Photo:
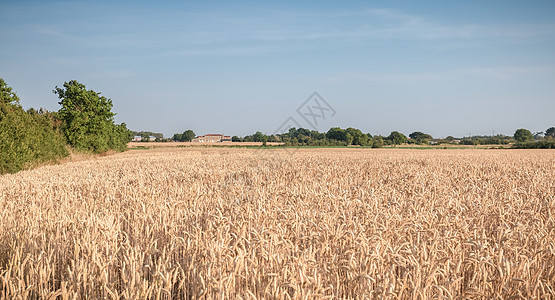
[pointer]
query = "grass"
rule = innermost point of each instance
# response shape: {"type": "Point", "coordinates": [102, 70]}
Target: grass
{"type": "Point", "coordinates": [232, 223]}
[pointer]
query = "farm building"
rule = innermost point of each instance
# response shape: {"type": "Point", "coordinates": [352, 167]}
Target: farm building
{"type": "Point", "coordinates": [211, 138]}
{"type": "Point", "coordinates": [139, 138]}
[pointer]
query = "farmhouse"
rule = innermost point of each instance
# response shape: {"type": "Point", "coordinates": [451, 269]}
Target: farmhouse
{"type": "Point", "coordinates": [139, 138]}
{"type": "Point", "coordinates": [211, 138]}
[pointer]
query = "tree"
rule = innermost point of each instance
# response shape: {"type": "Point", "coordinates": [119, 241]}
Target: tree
{"type": "Point", "coordinates": [236, 139]}
{"type": "Point", "coordinates": [88, 120]}
{"type": "Point", "coordinates": [248, 138]}
{"type": "Point", "coordinates": [397, 138]}
{"type": "Point", "coordinates": [303, 131]}
{"type": "Point", "coordinates": [120, 136]}
{"type": "Point", "coordinates": [523, 135]}
{"type": "Point", "coordinates": [377, 141]}
{"type": "Point", "coordinates": [259, 137]}
{"type": "Point", "coordinates": [274, 138]}
{"type": "Point", "coordinates": [292, 133]}
{"type": "Point", "coordinates": [550, 132]}
{"type": "Point", "coordinates": [336, 133]}
{"type": "Point", "coordinates": [188, 135]}
{"type": "Point", "coordinates": [420, 137]}
{"type": "Point", "coordinates": [7, 95]}
{"type": "Point", "coordinates": [540, 135]}
{"type": "Point", "coordinates": [359, 138]}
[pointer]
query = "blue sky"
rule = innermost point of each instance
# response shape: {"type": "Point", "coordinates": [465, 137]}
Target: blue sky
{"type": "Point", "coordinates": [235, 67]}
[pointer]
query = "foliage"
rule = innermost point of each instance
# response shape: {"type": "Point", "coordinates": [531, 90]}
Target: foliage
{"type": "Point", "coordinates": [397, 138]}
{"type": "Point", "coordinates": [88, 120]}
{"type": "Point", "coordinates": [358, 138]}
{"type": "Point", "coordinates": [119, 137]}
{"type": "Point", "coordinates": [186, 136]}
{"type": "Point", "coordinates": [487, 140]}
{"type": "Point", "coordinates": [260, 137]}
{"type": "Point", "coordinates": [147, 134]}
{"type": "Point", "coordinates": [338, 134]}
{"type": "Point", "coordinates": [26, 138]}
{"type": "Point", "coordinates": [377, 142]}
{"type": "Point", "coordinates": [304, 137]}
{"type": "Point", "coordinates": [550, 132]}
{"type": "Point", "coordinates": [542, 144]}
{"type": "Point", "coordinates": [469, 141]}
{"type": "Point", "coordinates": [7, 95]}
{"type": "Point", "coordinates": [523, 135]}
{"type": "Point", "coordinates": [420, 137]}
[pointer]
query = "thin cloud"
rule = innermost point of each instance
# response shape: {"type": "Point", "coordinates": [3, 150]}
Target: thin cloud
{"type": "Point", "coordinates": [505, 72]}
{"type": "Point", "coordinates": [355, 27]}
{"type": "Point", "coordinates": [498, 73]}
{"type": "Point", "coordinates": [268, 31]}
{"type": "Point", "coordinates": [115, 74]}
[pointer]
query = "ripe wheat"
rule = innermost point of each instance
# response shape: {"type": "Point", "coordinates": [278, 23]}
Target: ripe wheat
{"type": "Point", "coordinates": [321, 223]}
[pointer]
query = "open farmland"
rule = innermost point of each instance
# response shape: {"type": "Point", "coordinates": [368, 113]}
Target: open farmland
{"type": "Point", "coordinates": [240, 223]}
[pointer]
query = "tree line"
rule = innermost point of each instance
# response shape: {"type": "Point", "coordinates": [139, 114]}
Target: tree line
{"type": "Point", "coordinates": [85, 122]}
{"type": "Point", "coordinates": [336, 136]}
{"type": "Point", "coordinates": [540, 140]}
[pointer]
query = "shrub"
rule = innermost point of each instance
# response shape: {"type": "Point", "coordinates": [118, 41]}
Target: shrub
{"type": "Point", "coordinates": [27, 138]}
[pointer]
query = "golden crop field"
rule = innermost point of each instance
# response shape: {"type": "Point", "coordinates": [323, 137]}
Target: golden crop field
{"type": "Point", "coordinates": [188, 223]}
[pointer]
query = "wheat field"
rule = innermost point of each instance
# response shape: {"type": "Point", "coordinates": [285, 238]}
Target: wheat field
{"type": "Point", "coordinates": [224, 223]}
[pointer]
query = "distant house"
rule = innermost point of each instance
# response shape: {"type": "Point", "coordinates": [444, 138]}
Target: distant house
{"type": "Point", "coordinates": [211, 138]}
{"type": "Point", "coordinates": [139, 138]}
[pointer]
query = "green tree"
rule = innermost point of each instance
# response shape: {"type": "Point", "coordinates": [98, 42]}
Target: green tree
{"type": "Point", "coordinates": [236, 139]}
{"type": "Point", "coordinates": [397, 138]}
{"type": "Point", "coordinates": [177, 137]}
{"type": "Point", "coordinates": [336, 133]}
{"type": "Point", "coordinates": [420, 137]}
{"type": "Point", "coordinates": [259, 137]}
{"type": "Point", "coordinates": [87, 119]}
{"type": "Point", "coordinates": [359, 138]}
{"type": "Point", "coordinates": [523, 135]}
{"type": "Point", "coordinates": [188, 135]}
{"type": "Point", "coordinates": [377, 141]}
{"type": "Point", "coordinates": [7, 95]}
{"type": "Point", "coordinates": [550, 132]}
{"type": "Point", "coordinates": [119, 137]}
{"type": "Point", "coordinates": [303, 131]}
{"type": "Point", "coordinates": [292, 133]}
{"type": "Point", "coordinates": [274, 138]}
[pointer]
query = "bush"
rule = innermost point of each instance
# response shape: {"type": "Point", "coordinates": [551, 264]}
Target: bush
{"type": "Point", "coordinates": [27, 138]}
{"type": "Point", "coordinates": [543, 144]}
